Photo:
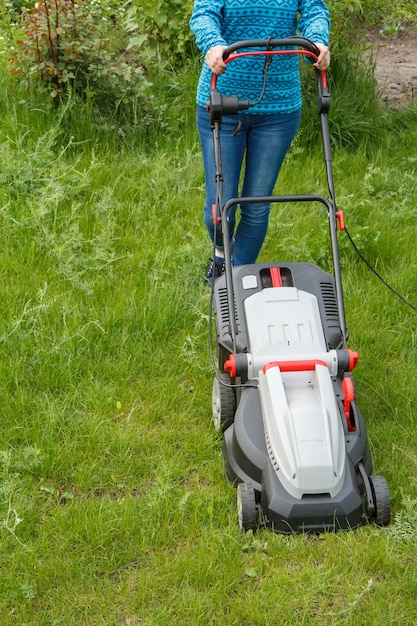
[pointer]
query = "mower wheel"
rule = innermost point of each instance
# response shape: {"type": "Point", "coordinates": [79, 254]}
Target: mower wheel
{"type": "Point", "coordinates": [246, 507]}
{"type": "Point", "coordinates": [223, 399]}
{"type": "Point", "coordinates": [381, 499]}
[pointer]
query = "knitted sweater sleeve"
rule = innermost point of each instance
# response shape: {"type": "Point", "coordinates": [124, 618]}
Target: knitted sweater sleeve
{"type": "Point", "coordinates": [205, 23]}
{"type": "Point", "coordinates": [314, 20]}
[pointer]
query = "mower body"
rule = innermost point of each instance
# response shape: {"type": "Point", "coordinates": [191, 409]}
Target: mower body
{"type": "Point", "coordinates": [293, 439]}
{"type": "Point", "coordinates": [295, 443]}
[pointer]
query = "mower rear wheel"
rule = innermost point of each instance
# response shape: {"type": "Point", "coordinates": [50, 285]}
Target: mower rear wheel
{"type": "Point", "coordinates": [246, 507]}
{"type": "Point", "coordinates": [381, 499]}
{"type": "Point", "coordinates": [223, 402]}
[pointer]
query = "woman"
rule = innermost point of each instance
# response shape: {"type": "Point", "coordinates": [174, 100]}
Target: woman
{"type": "Point", "coordinates": [263, 134]}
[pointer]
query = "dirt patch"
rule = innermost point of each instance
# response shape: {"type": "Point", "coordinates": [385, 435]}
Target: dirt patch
{"type": "Point", "coordinates": [396, 66]}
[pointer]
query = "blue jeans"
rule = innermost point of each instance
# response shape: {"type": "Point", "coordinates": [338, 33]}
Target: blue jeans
{"type": "Point", "coordinates": [265, 139]}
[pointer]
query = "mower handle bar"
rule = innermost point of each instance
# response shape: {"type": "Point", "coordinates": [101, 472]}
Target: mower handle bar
{"type": "Point", "coordinates": [220, 105]}
{"type": "Point", "coordinates": [300, 42]}
{"type": "Point", "coordinates": [278, 199]}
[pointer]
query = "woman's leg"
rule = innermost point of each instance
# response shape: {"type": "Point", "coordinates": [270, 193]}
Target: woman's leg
{"type": "Point", "coordinates": [268, 140]}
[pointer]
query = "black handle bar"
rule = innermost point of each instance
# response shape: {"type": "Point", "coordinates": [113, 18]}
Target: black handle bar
{"type": "Point", "coordinates": [220, 105]}
{"type": "Point", "coordinates": [300, 42]}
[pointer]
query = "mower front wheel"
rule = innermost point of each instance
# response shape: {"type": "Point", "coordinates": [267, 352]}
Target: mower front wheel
{"type": "Point", "coordinates": [246, 507]}
{"type": "Point", "coordinates": [223, 400]}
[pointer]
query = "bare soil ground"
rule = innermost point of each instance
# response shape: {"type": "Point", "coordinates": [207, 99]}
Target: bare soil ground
{"type": "Point", "coordinates": [396, 66]}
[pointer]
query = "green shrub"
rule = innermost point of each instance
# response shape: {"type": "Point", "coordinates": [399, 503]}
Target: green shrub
{"type": "Point", "coordinates": [345, 15]}
{"type": "Point", "coordinates": [160, 29]}
{"type": "Point", "coordinates": [65, 45]}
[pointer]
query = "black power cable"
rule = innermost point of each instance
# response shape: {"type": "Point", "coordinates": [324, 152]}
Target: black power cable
{"type": "Point", "coordinates": [377, 274]}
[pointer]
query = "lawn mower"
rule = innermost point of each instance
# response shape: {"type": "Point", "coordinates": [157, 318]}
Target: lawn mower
{"type": "Point", "coordinates": [295, 444]}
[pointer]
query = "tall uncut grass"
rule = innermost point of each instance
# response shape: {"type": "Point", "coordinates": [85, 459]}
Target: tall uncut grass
{"type": "Point", "coordinates": [114, 508]}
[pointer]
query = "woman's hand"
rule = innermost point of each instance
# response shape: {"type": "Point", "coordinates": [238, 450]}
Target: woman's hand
{"type": "Point", "coordinates": [323, 60]}
{"type": "Point", "coordinates": [214, 59]}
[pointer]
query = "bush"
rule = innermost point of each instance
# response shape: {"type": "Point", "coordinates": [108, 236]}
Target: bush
{"type": "Point", "coordinates": [160, 29]}
{"type": "Point", "coordinates": [66, 46]}
{"type": "Point", "coordinates": [346, 13]}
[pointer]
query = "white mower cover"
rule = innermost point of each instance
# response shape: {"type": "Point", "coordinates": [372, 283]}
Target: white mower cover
{"type": "Point", "coordinates": [303, 429]}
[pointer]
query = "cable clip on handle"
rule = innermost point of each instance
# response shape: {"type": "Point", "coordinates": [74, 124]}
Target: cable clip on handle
{"type": "Point", "coordinates": [323, 102]}
{"type": "Point", "coordinates": [220, 105]}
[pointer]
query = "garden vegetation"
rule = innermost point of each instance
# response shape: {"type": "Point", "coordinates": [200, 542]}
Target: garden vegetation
{"type": "Point", "coordinates": [114, 508]}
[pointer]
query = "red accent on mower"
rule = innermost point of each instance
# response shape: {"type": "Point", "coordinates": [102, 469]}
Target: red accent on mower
{"type": "Point", "coordinates": [276, 277]}
{"type": "Point", "coordinates": [341, 220]}
{"type": "Point", "coordinates": [230, 366]}
{"type": "Point", "coordinates": [353, 361]}
{"type": "Point", "coordinates": [349, 391]}
{"type": "Point", "coordinates": [215, 217]}
{"type": "Point", "coordinates": [294, 366]}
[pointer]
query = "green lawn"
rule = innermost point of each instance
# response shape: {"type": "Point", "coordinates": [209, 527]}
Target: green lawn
{"type": "Point", "coordinates": [114, 508]}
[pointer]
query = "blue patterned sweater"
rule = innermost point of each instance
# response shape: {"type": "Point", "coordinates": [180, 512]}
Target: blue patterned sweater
{"type": "Point", "coordinates": [222, 22]}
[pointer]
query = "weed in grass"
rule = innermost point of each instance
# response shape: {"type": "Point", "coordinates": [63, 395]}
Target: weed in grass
{"type": "Point", "coordinates": [403, 530]}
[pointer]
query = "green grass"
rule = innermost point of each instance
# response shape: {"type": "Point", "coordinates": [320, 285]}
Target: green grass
{"type": "Point", "coordinates": [114, 508]}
